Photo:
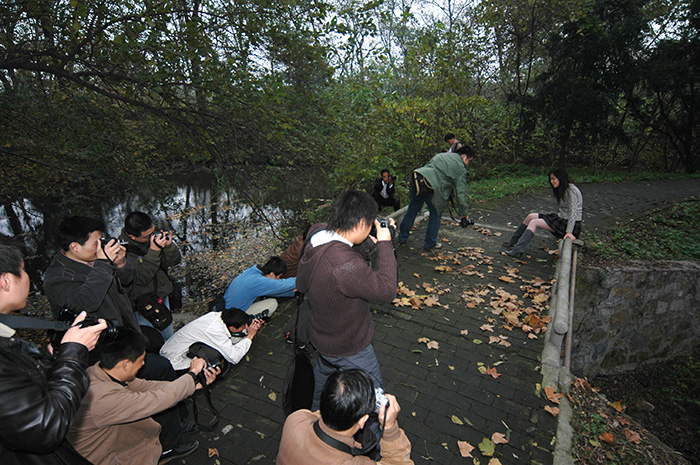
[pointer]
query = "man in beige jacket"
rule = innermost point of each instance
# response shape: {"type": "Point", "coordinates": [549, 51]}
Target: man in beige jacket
{"type": "Point", "coordinates": [114, 424]}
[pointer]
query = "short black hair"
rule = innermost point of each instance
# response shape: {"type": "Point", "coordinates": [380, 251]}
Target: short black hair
{"type": "Point", "coordinates": [346, 397]}
{"type": "Point", "coordinates": [77, 229]}
{"type": "Point", "coordinates": [449, 136]}
{"type": "Point", "coordinates": [274, 265]}
{"type": "Point", "coordinates": [350, 208]}
{"type": "Point", "coordinates": [137, 222]}
{"type": "Point", "coordinates": [10, 260]}
{"type": "Point", "coordinates": [128, 345]}
{"type": "Point", "coordinates": [385, 171]}
{"type": "Point", "coordinates": [234, 317]}
{"type": "Point", "coordinates": [466, 150]}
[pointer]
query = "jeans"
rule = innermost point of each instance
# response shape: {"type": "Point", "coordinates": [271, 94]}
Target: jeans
{"type": "Point", "coordinates": [415, 205]}
{"type": "Point", "coordinates": [364, 359]}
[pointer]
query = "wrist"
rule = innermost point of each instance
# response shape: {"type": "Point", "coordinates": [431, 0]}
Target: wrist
{"type": "Point", "coordinates": [194, 377]}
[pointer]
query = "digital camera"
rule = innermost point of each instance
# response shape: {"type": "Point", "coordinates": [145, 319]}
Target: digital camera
{"type": "Point", "coordinates": [380, 399]}
{"type": "Point", "coordinates": [384, 223]}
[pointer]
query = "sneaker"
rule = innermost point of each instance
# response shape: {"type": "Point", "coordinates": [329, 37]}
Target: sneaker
{"type": "Point", "coordinates": [188, 426]}
{"type": "Point", "coordinates": [177, 452]}
{"type": "Point", "coordinates": [436, 246]}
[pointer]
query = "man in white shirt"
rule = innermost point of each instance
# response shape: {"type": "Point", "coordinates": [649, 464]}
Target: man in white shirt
{"type": "Point", "coordinates": [230, 332]}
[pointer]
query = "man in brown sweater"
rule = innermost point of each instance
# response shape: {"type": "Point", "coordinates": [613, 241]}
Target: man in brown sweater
{"type": "Point", "coordinates": [339, 284]}
{"type": "Point", "coordinates": [321, 438]}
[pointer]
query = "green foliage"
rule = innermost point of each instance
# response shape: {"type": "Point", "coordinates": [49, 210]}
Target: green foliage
{"type": "Point", "coordinates": [672, 233]}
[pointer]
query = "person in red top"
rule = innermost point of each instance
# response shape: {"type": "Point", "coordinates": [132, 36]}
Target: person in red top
{"type": "Point", "coordinates": [339, 284]}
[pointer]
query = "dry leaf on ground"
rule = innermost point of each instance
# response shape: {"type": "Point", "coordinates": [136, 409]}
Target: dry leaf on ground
{"type": "Point", "coordinates": [465, 448]}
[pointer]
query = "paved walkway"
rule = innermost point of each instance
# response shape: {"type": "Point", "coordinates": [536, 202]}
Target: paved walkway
{"type": "Point", "coordinates": [444, 396]}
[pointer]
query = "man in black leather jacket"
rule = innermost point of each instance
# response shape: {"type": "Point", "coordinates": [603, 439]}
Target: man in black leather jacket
{"type": "Point", "coordinates": [39, 394]}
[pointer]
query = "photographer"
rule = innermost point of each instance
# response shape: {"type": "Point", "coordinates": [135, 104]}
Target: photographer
{"type": "Point", "coordinates": [39, 395]}
{"type": "Point", "coordinates": [127, 420]}
{"type": "Point", "coordinates": [151, 253]}
{"type": "Point", "coordinates": [384, 191]}
{"type": "Point", "coordinates": [90, 274]}
{"type": "Point", "coordinates": [339, 284]}
{"type": "Point", "coordinates": [320, 438]}
{"type": "Point", "coordinates": [222, 331]}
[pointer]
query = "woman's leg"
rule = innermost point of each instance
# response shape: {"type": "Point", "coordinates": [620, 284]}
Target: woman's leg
{"type": "Point", "coordinates": [521, 229]}
{"type": "Point", "coordinates": [538, 223]}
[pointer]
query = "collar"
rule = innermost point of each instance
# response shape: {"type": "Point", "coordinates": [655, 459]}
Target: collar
{"type": "Point", "coordinates": [326, 236]}
{"type": "Point", "coordinates": [122, 383]}
{"type": "Point", "coordinates": [6, 331]}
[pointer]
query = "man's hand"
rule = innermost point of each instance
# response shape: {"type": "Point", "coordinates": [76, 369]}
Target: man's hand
{"type": "Point", "coordinates": [210, 375]}
{"type": "Point", "coordinates": [161, 240]}
{"type": "Point", "coordinates": [86, 336]}
{"type": "Point", "coordinates": [465, 221]}
{"type": "Point", "coordinates": [392, 412]}
{"type": "Point", "coordinates": [112, 251]}
{"type": "Point", "coordinates": [383, 234]}
{"type": "Point", "coordinates": [253, 328]}
{"type": "Point", "coordinates": [199, 365]}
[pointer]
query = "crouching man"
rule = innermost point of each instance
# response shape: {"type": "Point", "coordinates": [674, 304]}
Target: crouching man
{"type": "Point", "coordinates": [320, 438]}
{"type": "Point", "coordinates": [127, 420]}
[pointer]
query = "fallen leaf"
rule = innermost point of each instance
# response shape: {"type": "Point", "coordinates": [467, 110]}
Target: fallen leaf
{"type": "Point", "coordinates": [456, 420]}
{"type": "Point", "coordinates": [482, 369]}
{"type": "Point", "coordinates": [478, 341]}
{"type": "Point", "coordinates": [623, 421]}
{"type": "Point", "coordinates": [272, 396]}
{"type": "Point", "coordinates": [617, 405]}
{"type": "Point", "coordinates": [423, 340]}
{"type": "Point", "coordinates": [494, 462]}
{"type": "Point", "coordinates": [431, 301]}
{"type": "Point", "coordinates": [213, 452]}
{"type": "Point", "coordinates": [486, 328]}
{"type": "Point", "coordinates": [553, 410]}
{"type": "Point", "coordinates": [552, 394]}
{"type": "Point", "coordinates": [433, 345]}
{"type": "Point", "coordinates": [632, 436]}
{"type": "Point", "coordinates": [465, 448]}
{"type": "Point", "coordinates": [464, 332]}
{"type": "Point", "coordinates": [493, 372]}
{"type": "Point", "coordinates": [506, 279]}
{"type": "Point", "coordinates": [416, 275]}
{"type": "Point", "coordinates": [487, 447]}
{"type": "Point", "coordinates": [607, 437]}
{"type": "Point", "coordinates": [594, 443]}
{"type": "Point", "coordinates": [499, 438]}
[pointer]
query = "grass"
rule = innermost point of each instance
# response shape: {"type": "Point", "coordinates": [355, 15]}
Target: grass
{"type": "Point", "coordinates": [510, 180]}
{"type": "Point", "coordinates": [669, 233]}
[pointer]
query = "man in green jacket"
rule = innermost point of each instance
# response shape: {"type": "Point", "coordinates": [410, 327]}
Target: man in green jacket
{"type": "Point", "coordinates": [151, 253]}
{"type": "Point", "coordinates": [433, 184]}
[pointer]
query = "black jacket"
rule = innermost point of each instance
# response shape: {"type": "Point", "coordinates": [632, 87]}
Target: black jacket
{"type": "Point", "coordinates": [39, 399]}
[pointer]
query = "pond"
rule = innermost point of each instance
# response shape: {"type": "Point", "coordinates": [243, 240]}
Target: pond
{"type": "Point", "coordinates": [203, 209]}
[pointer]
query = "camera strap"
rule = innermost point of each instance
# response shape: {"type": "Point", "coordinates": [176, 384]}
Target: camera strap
{"type": "Point", "coordinates": [25, 322]}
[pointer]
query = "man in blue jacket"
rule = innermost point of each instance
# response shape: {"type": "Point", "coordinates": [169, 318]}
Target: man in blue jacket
{"type": "Point", "coordinates": [259, 281]}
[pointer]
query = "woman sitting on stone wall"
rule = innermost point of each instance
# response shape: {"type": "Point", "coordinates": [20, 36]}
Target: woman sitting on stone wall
{"type": "Point", "coordinates": [565, 224]}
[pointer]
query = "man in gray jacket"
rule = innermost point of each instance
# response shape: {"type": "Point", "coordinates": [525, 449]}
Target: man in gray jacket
{"type": "Point", "coordinates": [433, 184]}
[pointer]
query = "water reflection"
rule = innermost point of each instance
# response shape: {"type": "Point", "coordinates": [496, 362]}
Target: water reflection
{"type": "Point", "coordinates": [203, 214]}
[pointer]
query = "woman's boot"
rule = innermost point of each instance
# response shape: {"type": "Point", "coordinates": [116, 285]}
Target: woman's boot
{"type": "Point", "coordinates": [520, 246]}
{"type": "Point", "coordinates": [516, 235]}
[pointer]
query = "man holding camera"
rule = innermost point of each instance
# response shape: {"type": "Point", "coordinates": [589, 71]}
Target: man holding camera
{"type": "Point", "coordinates": [384, 191]}
{"type": "Point", "coordinates": [128, 420]}
{"type": "Point", "coordinates": [433, 184]}
{"type": "Point", "coordinates": [231, 332]}
{"type": "Point", "coordinates": [89, 274]}
{"type": "Point", "coordinates": [39, 394]}
{"type": "Point", "coordinates": [347, 400]}
{"type": "Point", "coordinates": [339, 284]}
{"type": "Point", "coordinates": [151, 253]}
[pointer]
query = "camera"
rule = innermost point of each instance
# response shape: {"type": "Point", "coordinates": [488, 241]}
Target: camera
{"type": "Point", "coordinates": [106, 240]}
{"type": "Point", "coordinates": [264, 316]}
{"type": "Point", "coordinates": [384, 223]}
{"type": "Point", "coordinates": [109, 334]}
{"type": "Point", "coordinates": [465, 222]}
{"type": "Point", "coordinates": [380, 399]}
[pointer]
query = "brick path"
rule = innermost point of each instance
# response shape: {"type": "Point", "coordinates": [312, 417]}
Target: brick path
{"type": "Point", "coordinates": [432, 385]}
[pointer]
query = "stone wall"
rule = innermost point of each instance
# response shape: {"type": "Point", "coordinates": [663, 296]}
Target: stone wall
{"type": "Point", "coordinates": [642, 311]}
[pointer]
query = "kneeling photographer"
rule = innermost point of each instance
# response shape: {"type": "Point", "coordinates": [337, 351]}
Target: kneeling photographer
{"type": "Point", "coordinates": [39, 394]}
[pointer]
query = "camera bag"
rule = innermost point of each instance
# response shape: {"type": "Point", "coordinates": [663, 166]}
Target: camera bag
{"type": "Point", "coordinates": [421, 185]}
{"type": "Point", "coordinates": [153, 308]}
